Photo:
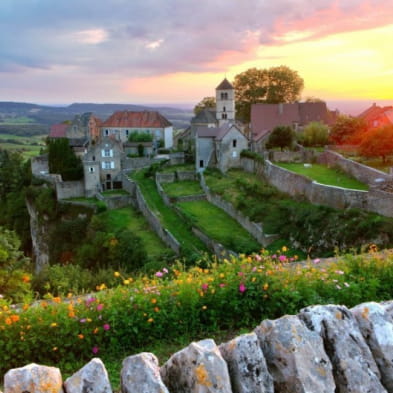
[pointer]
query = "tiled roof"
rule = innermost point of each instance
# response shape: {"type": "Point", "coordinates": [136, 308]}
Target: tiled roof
{"type": "Point", "coordinates": [376, 112]}
{"type": "Point", "coordinates": [225, 85]}
{"type": "Point", "coordinates": [205, 116]}
{"type": "Point", "coordinates": [145, 119]}
{"type": "Point", "coordinates": [58, 131]}
{"type": "Point", "coordinates": [215, 132]}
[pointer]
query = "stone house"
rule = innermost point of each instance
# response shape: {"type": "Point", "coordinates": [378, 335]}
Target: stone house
{"type": "Point", "coordinates": [265, 117]}
{"type": "Point", "coordinates": [219, 147]}
{"type": "Point", "coordinates": [102, 166]}
{"type": "Point", "coordinates": [122, 123]}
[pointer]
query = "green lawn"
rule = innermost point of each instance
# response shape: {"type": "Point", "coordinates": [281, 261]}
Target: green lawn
{"type": "Point", "coordinates": [92, 201]}
{"type": "Point", "coordinates": [180, 167]}
{"type": "Point", "coordinates": [324, 175]}
{"type": "Point", "coordinates": [170, 220]}
{"type": "Point", "coordinates": [129, 218]}
{"type": "Point", "coordinates": [27, 146]}
{"type": "Point", "coordinates": [219, 226]}
{"type": "Point", "coordinates": [116, 192]}
{"type": "Point", "coordinates": [182, 188]}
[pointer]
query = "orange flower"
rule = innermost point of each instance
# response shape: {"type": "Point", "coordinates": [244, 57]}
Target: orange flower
{"type": "Point", "coordinates": [156, 309]}
{"type": "Point", "coordinates": [8, 321]}
{"type": "Point", "coordinates": [25, 278]}
{"type": "Point", "coordinates": [57, 299]}
{"type": "Point", "coordinates": [15, 318]}
{"type": "Point", "coordinates": [81, 336]}
{"type": "Point", "coordinates": [154, 300]}
{"type": "Point", "coordinates": [71, 314]}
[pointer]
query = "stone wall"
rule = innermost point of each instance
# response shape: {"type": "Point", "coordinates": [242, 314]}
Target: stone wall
{"type": "Point", "coordinates": [118, 201]}
{"type": "Point", "coordinates": [140, 203]}
{"type": "Point", "coordinates": [186, 175]}
{"type": "Point", "coordinates": [70, 189]}
{"type": "Point", "coordinates": [39, 165]}
{"type": "Point", "coordinates": [360, 172]}
{"type": "Point", "coordinates": [169, 177]}
{"type": "Point", "coordinates": [137, 162]}
{"type": "Point", "coordinates": [293, 156]}
{"type": "Point", "coordinates": [322, 349]}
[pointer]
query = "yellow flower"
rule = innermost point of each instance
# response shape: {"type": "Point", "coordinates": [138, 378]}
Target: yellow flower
{"type": "Point", "coordinates": [25, 307]}
{"type": "Point", "coordinates": [222, 275]}
{"type": "Point", "coordinates": [53, 324]}
{"type": "Point", "coordinates": [265, 286]}
{"type": "Point", "coordinates": [116, 274]}
{"type": "Point", "coordinates": [253, 279]}
{"type": "Point", "coordinates": [154, 300]}
{"type": "Point", "coordinates": [54, 349]}
{"type": "Point", "coordinates": [204, 307]}
{"type": "Point", "coordinates": [150, 320]}
{"type": "Point", "coordinates": [284, 249]}
{"type": "Point", "coordinates": [126, 282]}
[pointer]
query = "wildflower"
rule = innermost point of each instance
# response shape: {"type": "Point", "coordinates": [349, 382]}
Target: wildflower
{"type": "Point", "coordinates": [81, 336]}
{"type": "Point", "coordinates": [100, 307]}
{"type": "Point", "coordinates": [284, 249]}
{"type": "Point", "coordinates": [346, 284]}
{"type": "Point", "coordinates": [8, 321]}
{"type": "Point", "coordinates": [116, 274]}
{"type": "Point", "coordinates": [101, 287]}
{"type": "Point", "coordinates": [25, 307]}
{"type": "Point", "coordinates": [26, 278]}
{"type": "Point", "coordinates": [222, 285]}
{"type": "Point", "coordinates": [154, 300]}
{"type": "Point", "coordinates": [159, 274]}
{"type": "Point", "coordinates": [54, 349]}
{"type": "Point", "coordinates": [126, 282]}
{"type": "Point", "coordinates": [282, 258]}
{"type": "Point", "coordinates": [53, 324]}
{"type": "Point", "coordinates": [253, 279]}
{"type": "Point", "coordinates": [95, 349]}
{"type": "Point", "coordinates": [14, 318]}
{"type": "Point", "coordinates": [71, 314]}
{"type": "Point", "coordinates": [265, 286]}
{"type": "Point", "coordinates": [316, 261]}
{"type": "Point", "coordinates": [57, 299]}
{"type": "Point", "coordinates": [242, 288]}
{"type": "Point", "coordinates": [240, 274]}
{"type": "Point", "coordinates": [258, 257]}
{"type": "Point", "coordinates": [204, 307]}
{"type": "Point", "coordinates": [106, 326]}
{"type": "Point", "coordinates": [156, 309]}
{"type": "Point", "coordinates": [150, 320]}
{"type": "Point", "coordinates": [205, 286]}
{"type": "Point", "coordinates": [165, 270]}
{"type": "Point", "coordinates": [83, 320]}
{"type": "Point", "coordinates": [95, 331]}
{"type": "Point", "coordinates": [339, 272]}
{"type": "Point", "coordinates": [338, 286]}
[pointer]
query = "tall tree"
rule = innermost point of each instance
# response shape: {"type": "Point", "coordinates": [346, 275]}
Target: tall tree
{"type": "Point", "coordinates": [315, 134]}
{"type": "Point", "coordinates": [273, 85]}
{"type": "Point", "coordinates": [206, 102]}
{"type": "Point", "coordinates": [377, 142]}
{"type": "Point", "coordinates": [62, 160]}
{"type": "Point", "coordinates": [281, 136]}
{"type": "Point", "coordinates": [347, 130]}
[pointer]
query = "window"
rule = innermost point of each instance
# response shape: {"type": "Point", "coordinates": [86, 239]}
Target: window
{"type": "Point", "coordinates": [106, 132]}
{"type": "Point", "coordinates": [94, 158]}
{"type": "Point", "coordinates": [224, 96]}
{"type": "Point", "coordinates": [91, 169]}
{"type": "Point", "coordinates": [200, 163]}
{"type": "Point", "coordinates": [127, 132]}
{"type": "Point", "coordinates": [107, 153]}
{"type": "Point", "coordinates": [223, 116]}
{"type": "Point", "coordinates": [107, 165]}
{"type": "Point", "coordinates": [234, 143]}
{"type": "Point", "coordinates": [224, 109]}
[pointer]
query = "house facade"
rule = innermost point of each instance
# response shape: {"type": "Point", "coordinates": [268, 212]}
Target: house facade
{"type": "Point", "coordinates": [377, 116]}
{"type": "Point", "coordinates": [123, 123]}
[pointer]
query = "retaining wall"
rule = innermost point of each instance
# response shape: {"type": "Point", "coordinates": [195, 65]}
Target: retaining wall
{"type": "Point", "coordinates": [359, 171]}
{"type": "Point", "coordinates": [70, 189]}
{"type": "Point", "coordinates": [321, 349]}
{"type": "Point", "coordinates": [293, 156]}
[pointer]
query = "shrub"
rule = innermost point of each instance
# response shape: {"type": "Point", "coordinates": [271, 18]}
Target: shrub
{"type": "Point", "coordinates": [137, 136]}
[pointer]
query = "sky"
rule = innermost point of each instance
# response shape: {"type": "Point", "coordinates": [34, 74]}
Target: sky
{"type": "Point", "coordinates": [178, 51]}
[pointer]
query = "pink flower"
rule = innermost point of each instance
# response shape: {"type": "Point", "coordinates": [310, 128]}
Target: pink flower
{"type": "Point", "coordinates": [106, 326]}
{"type": "Point", "coordinates": [83, 320]}
{"type": "Point", "coordinates": [258, 257]}
{"type": "Point", "coordinates": [317, 260]}
{"type": "Point", "coordinates": [100, 307]}
{"type": "Point", "coordinates": [346, 284]}
{"type": "Point", "coordinates": [159, 274]}
{"type": "Point", "coordinates": [242, 288]}
{"type": "Point", "coordinates": [282, 258]}
{"type": "Point", "coordinates": [95, 349]}
{"type": "Point", "coordinates": [165, 270]}
{"type": "Point", "coordinates": [205, 286]}
{"type": "Point", "coordinates": [222, 285]}
{"type": "Point", "coordinates": [339, 272]}
{"type": "Point", "coordinates": [240, 274]}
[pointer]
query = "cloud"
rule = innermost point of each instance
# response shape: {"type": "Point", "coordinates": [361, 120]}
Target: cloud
{"type": "Point", "coordinates": [92, 36]}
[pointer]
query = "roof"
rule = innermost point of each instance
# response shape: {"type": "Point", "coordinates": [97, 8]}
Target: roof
{"type": "Point", "coordinates": [205, 116]}
{"type": "Point", "coordinates": [58, 131]}
{"type": "Point", "coordinates": [217, 133]}
{"type": "Point", "coordinates": [144, 119]}
{"type": "Point", "coordinates": [225, 85]}
{"type": "Point", "coordinates": [265, 117]}
{"type": "Point", "coordinates": [375, 112]}
{"type": "Point", "coordinates": [78, 142]}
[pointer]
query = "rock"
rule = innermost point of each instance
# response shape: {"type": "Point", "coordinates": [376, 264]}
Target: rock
{"type": "Point", "coordinates": [91, 378]}
{"type": "Point", "coordinates": [141, 374]}
{"type": "Point", "coordinates": [354, 367]}
{"type": "Point", "coordinates": [295, 356]}
{"type": "Point", "coordinates": [198, 368]}
{"type": "Point", "coordinates": [376, 326]}
{"type": "Point", "coordinates": [33, 378]}
{"type": "Point", "coordinates": [247, 365]}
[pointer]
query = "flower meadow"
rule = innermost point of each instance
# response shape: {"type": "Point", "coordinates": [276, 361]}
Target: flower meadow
{"type": "Point", "coordinates": [176, 301]}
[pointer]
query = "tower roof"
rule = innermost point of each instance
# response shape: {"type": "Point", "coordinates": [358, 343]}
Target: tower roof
{"type": "Point", "coordinates": [225, 85]}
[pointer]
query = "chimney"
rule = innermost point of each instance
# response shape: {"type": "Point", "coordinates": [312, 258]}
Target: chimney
{"type": "Point", "coordinates": [280, 109]}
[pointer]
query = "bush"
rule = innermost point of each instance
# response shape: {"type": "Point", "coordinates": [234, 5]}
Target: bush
{"type": "Point", "coordinates": [136, 136]}
{"type": "Point", "coordinates": [281, 136]}
{"type": "Point", "coordinates": [314, 134]}
{"type": "Point", "coordinates": [174, 302]}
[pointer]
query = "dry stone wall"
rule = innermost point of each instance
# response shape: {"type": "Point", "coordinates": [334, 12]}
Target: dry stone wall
{"type": "Point", "coordinates": [322, 349]}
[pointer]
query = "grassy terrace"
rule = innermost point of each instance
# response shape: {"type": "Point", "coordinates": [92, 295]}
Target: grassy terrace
{"type": "Point", "coordinates": [219, 226]}
{"type": "Point", "coordinates": [324, 175]}
{"type": "Point", "coordinates": [129, 218]}
{"type": "Point", "coordinates": [182, 188]}
{"type": "Point", "coordinates": [180, 167]}
{"type": "Point", "coordinates": [189, 242]}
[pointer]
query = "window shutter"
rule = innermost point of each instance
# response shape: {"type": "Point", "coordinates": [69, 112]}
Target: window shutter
{"type": "Point", "coordinates": [103, 165]}
{"type": "Point", "coordinates": [103, 153]}
{"type": "Point", "coordinates": [111, 153]}
{"type": "Point", "coordinates": [112, 165]}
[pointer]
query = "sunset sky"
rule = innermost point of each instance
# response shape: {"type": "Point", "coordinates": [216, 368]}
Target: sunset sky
{"type": "Point", "coordinates": [177, 51]}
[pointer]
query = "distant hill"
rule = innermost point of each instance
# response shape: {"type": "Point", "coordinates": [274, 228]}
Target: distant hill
{"type": "Point", "coordinates": [26, 118]}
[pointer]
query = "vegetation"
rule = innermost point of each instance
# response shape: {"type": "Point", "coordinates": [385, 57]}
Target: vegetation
{"type": "Point", "coordinates": [324, 175]}
{"type": "Point", "coordinates": [377, 142]}
{"type": "Point", "coordinates": [347, 130]}
{"type": "Point", "coordinates": [137, 136]}
{"type": "Point", "coordinates": [316, 230]}
{"type": "Point", "coordinates": [182, 188]}
{"type": "Point", "coordinates": [273, 86]}
{"type": "Point", "coordinates": [207, 102]}
{"type": "Point", "coordinates": [27, 146]}
{"type": "Point", "coordinates": [314, 134]}
{"type": "Point", "coordinates": [63, 161]}
{"type": "Point", "coordinates": [219, 226]}
{"type": "Point", "coordinates": [281, 136]}
{"type": "Point", "coordinates": [175, 302]}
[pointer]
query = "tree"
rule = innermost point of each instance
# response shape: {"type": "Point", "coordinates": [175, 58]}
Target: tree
{"type": "Point", "coordinates": [207, 102]}
{"type": "Point", "coordinates": [274, 85]}
{"type": "Point", "coordinates": [281, 136]}
{"type": "Point", "coordinates": [347, 130]}
{"type": "Point", "coordinates": [62, 160]}
{"type": "Point", "coordinates": [378, 143]}
{"type": "Point", "coordinates": [315, 134]}
{"type": "Point", "coordinates": [313, 99]}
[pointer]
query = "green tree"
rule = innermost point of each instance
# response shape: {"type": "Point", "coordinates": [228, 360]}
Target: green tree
{"type": "Point", "coordinates": [207, 102]}
{"type": "Point", "coordinates": [62, 160]}
{"type": "Point", "coordinates": [273, 85]}
{"type": "Point", "coordinates": [14, 279]}
{"type": "Point", "coordinates": [136, 136]}
{"type": "Point", "coordinates": [347, 130]}
{"type": "Point", "coordinates": [378, 143]}
{"type": "Point", "coordinates": [281, 136]}
{"type": "Point", "coordinates": [315, 134]}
